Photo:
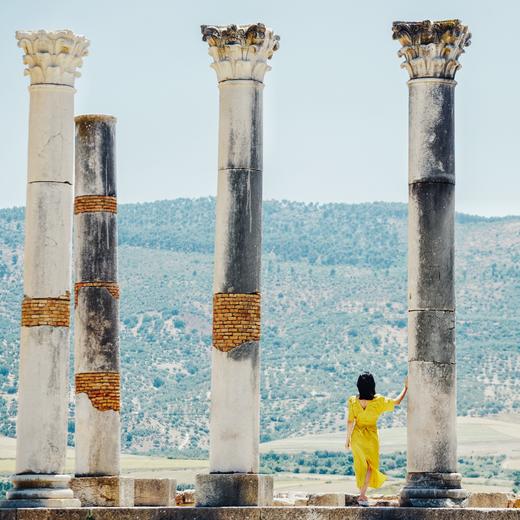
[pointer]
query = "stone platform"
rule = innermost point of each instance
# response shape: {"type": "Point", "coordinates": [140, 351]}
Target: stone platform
{"type": "Point", "coordinates": [259, 513]}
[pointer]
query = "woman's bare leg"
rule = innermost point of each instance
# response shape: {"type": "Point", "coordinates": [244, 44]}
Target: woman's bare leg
{"type": "Point", "coordinates": [363, 490]}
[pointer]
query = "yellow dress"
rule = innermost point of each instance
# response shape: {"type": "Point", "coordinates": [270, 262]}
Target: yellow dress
{"type": "Point", "coordinates": [365, 440]}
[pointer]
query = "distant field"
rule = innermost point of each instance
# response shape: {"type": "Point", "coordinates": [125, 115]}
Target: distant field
{"type": "Point", "coordinates": [476, 436]}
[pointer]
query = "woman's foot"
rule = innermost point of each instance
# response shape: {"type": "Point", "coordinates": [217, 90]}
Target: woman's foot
{"type": "Point", "coordinates": [362, 500]}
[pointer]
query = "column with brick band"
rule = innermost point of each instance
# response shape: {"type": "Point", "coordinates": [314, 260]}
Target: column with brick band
{"type": "Point", "coordinates": [96, 315]}
{"type": "Point", "coordinates": [240, 55]}
{"type": "Point", "coordinates": [52, 60]}
{"type": "Point", "coordinates": [431, 51]}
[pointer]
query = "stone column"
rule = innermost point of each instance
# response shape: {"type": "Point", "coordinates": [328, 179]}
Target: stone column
{"type": "Point", "coordinates": [52, 60]}
{"type": "Point", "coordinates": [240, 55]}
{"type": "Point", "coordinates": [96, 318]}
{"type": "Point", "coordinates": [431, 51]}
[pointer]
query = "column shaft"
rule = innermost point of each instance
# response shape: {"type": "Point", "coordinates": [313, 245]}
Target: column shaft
{"type": "Point", "coordinates": [96, 299]}
{"type": "Point", "coordinates": [240, 56]}
{"type": "Point", "coordinates": [51, 59]}
{"type": "Point", "coordinates": [235, 384]}
{"type": "Point", "coordinates": [431, 50]}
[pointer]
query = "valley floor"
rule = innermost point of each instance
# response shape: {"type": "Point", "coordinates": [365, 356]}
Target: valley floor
{"type": "Point", "coordinates": [477, 436]}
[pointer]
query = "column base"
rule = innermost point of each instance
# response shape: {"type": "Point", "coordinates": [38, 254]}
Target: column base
{"type": "Point", "coordinates": [51, 491]}
{"type": "Point", "coordinates": [233, 489]}
{"type": "Point", "coordinates": [105, 491]}
{"type": "Point", "coordinates": [433, 490]}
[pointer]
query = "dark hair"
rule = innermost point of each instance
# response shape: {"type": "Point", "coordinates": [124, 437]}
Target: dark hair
{"type": "Point", "coordinates": [366, 386]}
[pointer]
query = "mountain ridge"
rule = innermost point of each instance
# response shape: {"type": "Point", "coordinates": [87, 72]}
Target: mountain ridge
{"type": "Point", "coordinates": [334, 303]}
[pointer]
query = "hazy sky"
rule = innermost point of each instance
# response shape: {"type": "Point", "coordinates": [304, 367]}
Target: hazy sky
{"type": "Point", "coordinates": [335, 106]}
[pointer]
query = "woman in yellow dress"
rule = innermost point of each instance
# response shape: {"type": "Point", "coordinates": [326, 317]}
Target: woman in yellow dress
{"type": "Point", "coordinates": [364, 410]}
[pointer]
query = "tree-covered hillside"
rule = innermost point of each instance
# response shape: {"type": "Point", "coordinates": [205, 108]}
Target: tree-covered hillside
{"type": "Point", "coordinates": [334, 303]}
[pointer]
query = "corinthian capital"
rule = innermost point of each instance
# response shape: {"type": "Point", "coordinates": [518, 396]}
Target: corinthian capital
{"type": "Point", "coordinates": [431, 49]}
{"type": "Point", "coordinates": [240, 51]}
{"type": "Point", "coordinates": [52, 57]}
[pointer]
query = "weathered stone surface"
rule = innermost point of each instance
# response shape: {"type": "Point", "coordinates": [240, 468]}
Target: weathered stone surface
{"type": "Point", "coordinates": [104, 491]}
{"type": "Point", "coordinates": [240, 52]}
{"type": "Point", "coordinates": [431, 49]}
{"type": "Point", "coordinates": [47, 249]}
{"type": "Point", "coordinates": [240, 128]}
{"type": "Point", "coordinates": [95, 155]}
{"type": "Point", "coordinates": [51, 134]}
{"type": "Point", "coordinates": [98, 439]}
{"type": "Point", "coordinates": [431, 136]}
{"type": "Point", "coordinates": [96, 320]}
{"type": "Point", "coordinates": [43, 400]}
{"type": "Point", "coordinates": [32, 490]}
{"type": "Point", "coordinates": [260, 513]}
{"type": "Point", "coordinates": [235, 409]}
{"type": "Point", "coordinates": [351, 500]}
{"type": "Point", "coordinates": [432, 436]}
{"type": "Point", "coordinates": [95, 240]}
{"type": "Point", "coordinates": [491, 500]}
{"type": "Point", "coordinates": [431, 336]}
{"type": "Point", "coordinates": [431, 248]}
{"type": "Point", "coordinates": [327, 499]}
{"type": "Point", "coordinates": [429, 489]}
{"type": "Point", "coordinates": [155, 491]}
{"type": "Point", "coordinates": [52, 57]}
{"type": "Point", "coordinates": [238, 241]}
{"type": "Point", "coordinates": [222, 489]}
{"type": "Point", "coordinates": [185, 498]}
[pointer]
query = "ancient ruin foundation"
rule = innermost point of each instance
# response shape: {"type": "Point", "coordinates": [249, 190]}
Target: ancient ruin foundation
{"type": "Point", "coordinates": [431, 51]}
{"type": "Point", "coordinates": [240, 55]}
{"type": "Point", "coordinates": [52, 60]}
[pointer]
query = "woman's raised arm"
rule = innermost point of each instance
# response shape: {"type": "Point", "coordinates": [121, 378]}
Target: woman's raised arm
{"type": "Point", "coordinates": [400, 397]}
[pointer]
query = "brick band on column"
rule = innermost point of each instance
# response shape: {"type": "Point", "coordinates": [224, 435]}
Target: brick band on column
{"type": "Point", "coordinates": [236, 320]}
{"type": "Point", "coordinates": [95, 204]}
{"type": "Point", "coordinates": [52, 312]}
{"type": "Point", "coordinates": [111, 287]}
{"type": "Point", "coordinates": [102, 388]}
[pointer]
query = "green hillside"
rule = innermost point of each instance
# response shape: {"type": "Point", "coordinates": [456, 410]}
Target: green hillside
{"type": "Point", "coordinates": [334, 303]}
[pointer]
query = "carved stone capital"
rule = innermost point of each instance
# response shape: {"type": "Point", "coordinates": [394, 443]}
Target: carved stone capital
{"type": "Point", "coordinates": [431, 49]}
{"type": "Point", "coordinates": [240, 51]}
{"type": "Point", "coordinates": [52, 57]}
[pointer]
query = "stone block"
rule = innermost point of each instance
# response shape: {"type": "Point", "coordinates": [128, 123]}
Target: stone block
{"type": "Point", "coordinates": [432, 132]}
{"type": "Point", "coordinates": [233, 489]}
{"type": "Point", "coordinates": [185, 498]}
{"type": "Point", "coordinates": [431, 246]}
{"type": "Point", "coordinates": [240, 128]}
{"type": "Point", "coordinates": [432, 438]}
{"type": "Point", "coordinates": [112, 491]}
{"type": "Point", "coordinates": [327, 499]}
{"type": "Point", "coordinates": [48, 230]}
{"type": "Point", "coordinates": [351, 500]}
{"type": "Point", "coordinates": [491, 500]}
{"type": "Point", "coordinates": [155, 491]}
{"type": "Point", "coordinates": [235, 410]}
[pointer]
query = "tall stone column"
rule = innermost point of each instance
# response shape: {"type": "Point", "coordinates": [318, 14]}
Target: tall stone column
{"type": "Point", "coordinates": [431, 51]}
{"type": "Point", "coordinates": [52, 60]}
{"type": "Point", "coordinates": [96, 318]}
{"type": "Point", "coordinates": [240, 55]}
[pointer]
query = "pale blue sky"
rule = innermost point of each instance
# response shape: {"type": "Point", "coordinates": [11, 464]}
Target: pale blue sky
{"type": "Point", "coordinates": [335, 100]}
